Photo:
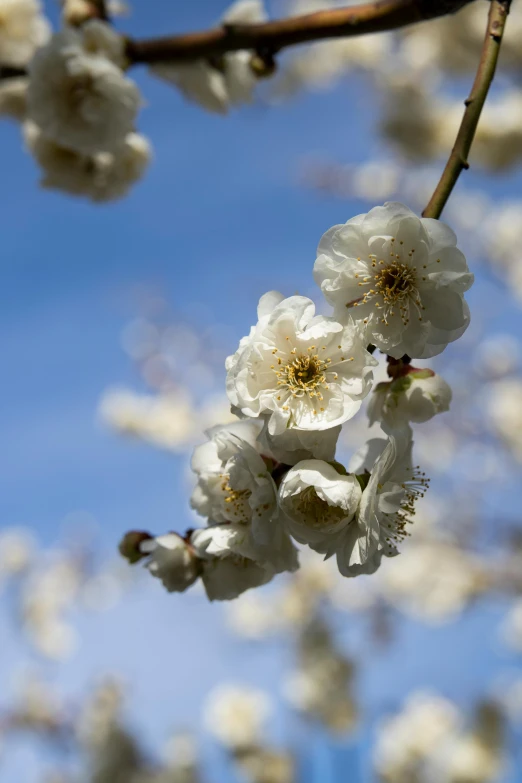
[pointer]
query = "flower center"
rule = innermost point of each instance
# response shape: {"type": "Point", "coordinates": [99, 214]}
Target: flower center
{"type": "Point", "coordinates": [395, 282]}
{"type": "Point", "coordinates": [78, 90]}
{"type": "Point", "coordinates": [392, 286]}
{"type": "Point", "coordinates": [236, 501]}
{"type": "Point", "coordinates": [303, 375]}
{"type": "Point", "coordinates": [316, 512]}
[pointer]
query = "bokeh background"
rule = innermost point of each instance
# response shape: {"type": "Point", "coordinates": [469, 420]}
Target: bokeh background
{"type": "Point", "coordinates": [149, 295]}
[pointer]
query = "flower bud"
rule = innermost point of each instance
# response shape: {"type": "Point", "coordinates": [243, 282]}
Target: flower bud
{"type": "Point", "coordinates": [173, 561]}
{"type": "Point", "coordinates": [130, 545]}
{"type": "Point", "coordinates": [417, 396]}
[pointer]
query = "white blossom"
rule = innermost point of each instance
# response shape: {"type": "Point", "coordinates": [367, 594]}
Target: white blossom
{"type": "Point", "coordinates": [294, 445]}
{"type": "Point", "coordinates": [407, 740]}
{"type": "Point", "coordinates": [318, 503]}
{"type": "Point", "coordinates": [81, 100]}
{"type": "Point", "coordinates": [304, 372]}
{"type": "Point", "coordinates": [504, 407]}
{"type": "Point", "coordinates": [226, 81]}
{"type": "Point", "coordinates": [416, 397]}
{"type": "Point", "coordinates": [319, 65]}
{"type": "Point", "coordinates": [401, 276]}
{"type": "Point", "coordinates": [23, 28]}
{"type": "Point", "coordinates": [13, 98]}
{"type": "Point", "coordinates": [512, 626]}
{"type": "Point", "coordinates": [101, 38]}
{"type": "Point", "coordinates": [433, 581]}
{"type": "Point", "coordinates": [236, 714]}
{"type": "Point", "coordinates": [172, 560]}
{"type": "Point", "coordinates": [233, 563]}
{"type": "Point", "coordinates": [101, 176]}
{"type": "Point", "coordinates": [321, 685]}
{"type": "Point", "coordinates": [386, 507]}
{"type": "Point", "coordinates": [167, 421]}
{"type": "Point", "coordinates": [234, 484]}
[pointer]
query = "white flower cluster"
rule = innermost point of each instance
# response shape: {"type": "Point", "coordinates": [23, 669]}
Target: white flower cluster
{"type": "Point", "coordinates": [77, 106]}
{"type": "Point", "coordinates": [428, 741]}
{"type": "Point", "coordinates": [396, 283]}
{"type": "Point", "coordinates": [225, 81]}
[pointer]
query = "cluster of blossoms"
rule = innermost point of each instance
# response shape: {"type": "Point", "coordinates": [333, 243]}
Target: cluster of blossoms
{"type": "Point", "coordinates": [77, 106]}
{"type": "Point", "coordinates": [428, 740]}
{"type": "Point", "coordinates": [396, 283]}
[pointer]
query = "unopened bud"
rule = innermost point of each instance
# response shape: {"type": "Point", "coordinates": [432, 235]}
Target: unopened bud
{"type": "Point", "coordinates": [263, 65]}
{"type": "Point", "coordinates": [416, 396]}
{"type": "Point", "coordinates": [130, 545]}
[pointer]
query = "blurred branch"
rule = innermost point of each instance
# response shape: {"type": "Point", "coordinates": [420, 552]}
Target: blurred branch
{"type": "Point", "coordinates": [11, 72]}
{"type": "Point", "coordinates": [273, 36]}
{"type": "Point", "coordinates": [458, 160]}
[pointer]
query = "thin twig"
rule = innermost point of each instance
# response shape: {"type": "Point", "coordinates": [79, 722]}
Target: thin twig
{"type": "Point", "coordinates": [373, 17]}
{"type": "Point", "coordinates": [458, 160]}
{"type": "Point", "coordinates": [11, 72]}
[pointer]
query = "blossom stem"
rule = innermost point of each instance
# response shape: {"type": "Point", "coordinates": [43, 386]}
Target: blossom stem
{"type": "Point", "coordinates": [271, 37]}
{"type": "Point", "coordinates": [458, 160]}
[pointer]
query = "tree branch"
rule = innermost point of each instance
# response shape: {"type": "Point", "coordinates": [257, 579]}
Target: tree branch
{"type": "Point", "coordinates": [11, 72]}
{"type": "Point", "coordinates": [458, 160]}
{"type": "Point", "coordinates": [373, 17]}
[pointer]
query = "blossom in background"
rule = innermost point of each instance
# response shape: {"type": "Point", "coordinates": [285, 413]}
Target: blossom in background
{"type": "Point", "coordinates": [387, 504]}
{"type": "Point", "coordinates": [224, 81]}
{"type": "Point", "coordinates": [172, 560]}
{"type": "Point", "coordinates": [236, 715]}
{"type": "Point", "coordinates": [318, 66]}
{"type": "Point", "coordinates": [400, 276]}
{"type": "Point", "coordinates": [318, 504]}
{"type": "Point", "coordinates": [433, 580]}
{"type": "Point", "coordinates": [23, 28]}
{"type": "Point", "coordinates": [301, 370]}
{"type": "Point", "coordinates": [407, 741]}
{"type": "Point", "coordinates": [101, 176]}
{"type": "Point", "coordinates": [167, 421]}
{"type": "Point", "coordinates": [13, 98]}
{"type": "Point", "coordinates": [504, 408]}
{"type": "Point", "coordinates": [415, 397]}
{"type": "Point", "coordinates": [512, 626]}
{"type": "Point", "coordinates": [321, 686]}
{"type": "Point", "coordinates": [81, 100]}
{"type": "Point", "coordinates": [428, 741]}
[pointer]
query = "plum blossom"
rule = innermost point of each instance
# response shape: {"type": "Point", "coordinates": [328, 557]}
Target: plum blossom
{"type": "Point", "coordinates": [415, 397]}
{"type": "Point", "coordinates": [172, 560]}
{"type": "Point", "coordinates": [80, 99]}
{"type": "Point", "coordinates": [13, 98]}
{"type": "Point", "coordinates": [303, 372]}
{"type": "Point", "coordinates": [100, 177]}
{"type": "Point", "coordinates": [235, 489]}
{"type": "Point", "coordinates": [387, 504]}
{"type": "Point", "coordinates": [233, 563]}
{"type": "Point", "coordinates": [234, 484]}
{"type": "Point", "coordinates": [23, 28]}
{"type": "Point", "coordinates": [236, 715]}
{"type": "Point", "coordinates": [224, 81]}
{"type": "Point", "coordinates": [400, 276]}
{"type": "Point", "coordinates": [318, 503]}
{"type": "Point", "coordinates": [293, 445]}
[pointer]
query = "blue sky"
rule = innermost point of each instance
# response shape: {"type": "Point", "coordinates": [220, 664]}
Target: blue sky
{"type": "Point", "coordinates": [219, 219]}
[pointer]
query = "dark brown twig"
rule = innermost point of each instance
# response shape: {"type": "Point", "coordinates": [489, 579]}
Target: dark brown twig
{"type": "Point", "coordinates": [458, 160]}
{"type": "Point", "coordinates": [273, 36]}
